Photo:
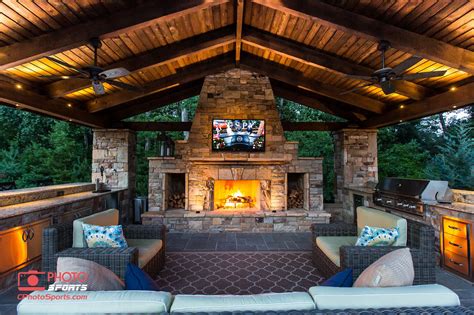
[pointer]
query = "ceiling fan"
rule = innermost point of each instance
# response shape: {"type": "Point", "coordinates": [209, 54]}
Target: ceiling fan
{"type": "Point", "coordinates": [386, 75]}
{"type": "Point", "coordinates": [94, 73]}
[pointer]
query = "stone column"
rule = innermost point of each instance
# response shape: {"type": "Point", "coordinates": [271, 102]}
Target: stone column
{"type": "Point", "coordinates": [355, 165]}
{"type": "Point", "coordinates": [114, 149]}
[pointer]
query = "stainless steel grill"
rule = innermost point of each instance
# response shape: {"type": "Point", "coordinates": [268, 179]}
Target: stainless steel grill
{"type": "Point", "coordinates": [411, 195]}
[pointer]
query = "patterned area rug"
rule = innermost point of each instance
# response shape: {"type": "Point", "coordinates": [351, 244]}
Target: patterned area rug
{"type": "Point", "coordinates": [237, 273]}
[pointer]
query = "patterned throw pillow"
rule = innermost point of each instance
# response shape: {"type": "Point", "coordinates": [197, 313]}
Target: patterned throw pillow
{"type": "Point", "coordinates": [373, 236]}
{"type": "Point", "coordinates": [104, 236]}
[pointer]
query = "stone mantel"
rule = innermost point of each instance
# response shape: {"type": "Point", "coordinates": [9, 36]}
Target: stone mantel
{"type": "Point", "coordinates": [236, 161]}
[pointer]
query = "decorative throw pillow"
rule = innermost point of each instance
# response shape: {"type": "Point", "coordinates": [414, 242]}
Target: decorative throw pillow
{"type": "Point", "coordinates": [97, 277]}
{"type": "Point", "coordinates": [340, 279]}
{"type": "Point", "coordinates": [137, 279]}
{"type": "Point", "coordinates": [394, 269]}
{"type": "Point", "coordinates": [374, 236]}
{"type": "Point", "coordinates": [104, 236]}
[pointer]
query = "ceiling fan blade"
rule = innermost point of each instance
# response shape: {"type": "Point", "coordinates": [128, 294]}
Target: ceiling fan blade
{"type": "Point", "coordinates": [122, 85]}
{"type": "Point", "coordinates": [98, 87]}
{"type": "Point", "coordinates": [387, 87]}
{"type": "Point", "coordinates": [361, 77]}
{"type": "Point", "coordinates": [114, 73]}
{"type": "Point", "coordinates": [422, 75]}
{"type": "Point", "coordinates": [408, 63]}
{"type": "Point", "coordinates": [65, 64]}
{"type": "Point", "coordinates": [356, 88]}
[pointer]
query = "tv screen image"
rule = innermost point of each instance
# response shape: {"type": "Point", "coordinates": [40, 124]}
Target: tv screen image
{"type": "Point", "coordinates": [238, 135]}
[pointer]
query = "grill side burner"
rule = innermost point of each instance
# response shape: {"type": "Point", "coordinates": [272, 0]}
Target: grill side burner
{"type": "Point", "coordinates": [411, 195]}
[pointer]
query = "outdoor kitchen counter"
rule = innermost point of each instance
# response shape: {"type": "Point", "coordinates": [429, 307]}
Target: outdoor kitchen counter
{"type": "Point", "coordinates": [456, 206]}
{"type": "Point", "coordinates": [20, 209]}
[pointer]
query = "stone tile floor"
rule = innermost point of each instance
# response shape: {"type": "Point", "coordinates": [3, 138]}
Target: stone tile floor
{"type": "Point", "coordinates": [261, 242]}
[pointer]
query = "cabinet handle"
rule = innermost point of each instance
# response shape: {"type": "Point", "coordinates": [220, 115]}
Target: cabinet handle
{"type": "Point", "coordinates": [31, 234]}
{"type": "Point", "coordinates": [24, 236]}
{"type": "Point", "coordinates": [456, 263]}
{"type": "Point", "coordinates": [453, 227]}
{"type": "Point", "coordinates": [454, 244]}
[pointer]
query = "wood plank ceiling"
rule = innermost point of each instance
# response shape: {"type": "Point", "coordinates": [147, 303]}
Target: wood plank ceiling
{"type": "Point", "coordinates": [306, 48]}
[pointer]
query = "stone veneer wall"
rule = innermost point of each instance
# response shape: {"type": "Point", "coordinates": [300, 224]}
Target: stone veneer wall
{"type": "Point", "coordinates": [236, 94]}
{"type": "Point", "coordinates": [355, 165]}
{"type": "Point", "coordinates": [114, 149]}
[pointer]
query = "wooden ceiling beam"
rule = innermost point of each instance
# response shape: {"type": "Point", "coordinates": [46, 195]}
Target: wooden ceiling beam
{"type": "Point", "coordinates": [184, 75]}
{"type": "Point", "coordinates": [155, 57]}
{"type": "Point", "coordinates": [154, 125]}
{"type": "Point", "coordinates": [320, 59]}
{"type": "Point", "coordinates": [239, 20]}
{"type": "Point", "coordinates": [313, 126]}
{"type": "Point", "coordinates": [154, 101]}
{"type": "Point", "coordinates": [111, 25]}
{"type": "Point", "coordinates": [374, 30]}
{"type": "Point", "coordinates": [446, 101]}
{"type": "Point", "coordinates": [315, 101]}
{"type": "Point", "coordinates": [296, 78]}
{"type": "Point", "coordinates": [31, 101]}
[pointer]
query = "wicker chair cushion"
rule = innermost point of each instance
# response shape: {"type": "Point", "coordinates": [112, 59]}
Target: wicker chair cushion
{"type": "Point", "coordinates": [377, 218]}
{"type": "Point", "coordinates": [330, 245]}
{"type": "Point", "coordinates": [147, 249]}
{"type": "Point", "coordinates": [330, 298]}
{"type": "Point", "coordinates": [108, 217]}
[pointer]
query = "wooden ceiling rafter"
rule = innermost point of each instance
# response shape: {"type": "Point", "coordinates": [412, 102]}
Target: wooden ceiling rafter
{"type": "Point", "coordinates": [157, 100]}
{"type": "Point", "coordinates": [293, 77]}
{"type": "Point", "coordinates": [102, 27]}
{"type": "Point", "coordinates": [239, 22]}
{"type": "Point", "coordinates": [154, 58]}
{"type": "Point", "coordinates": [190, 73]}
{"type": "Point", "coordinates": [374, 30]}
{"type": "Point", "coordinates": [316, 58]}
{"type": "Point", "coordinates": [462, 96]}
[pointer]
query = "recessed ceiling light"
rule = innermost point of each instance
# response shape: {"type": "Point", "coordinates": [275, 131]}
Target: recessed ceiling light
{"type": "Point", "coordinates": [401, 120]}
{"type": "Point", "coordinates": [402, 106]}
{"type": "Point", "coordinates": [455, 106]}
{"type": "Point", "coordinates": [453, 88]}
{"type": "Point", "coordinates": [65, 77]}
{"type": "Point", "coordinates": [69, 105]}
{"type": "Point", "coordinates": [18, 86]}
{"type": "Point", "coordinates": [16, 104]}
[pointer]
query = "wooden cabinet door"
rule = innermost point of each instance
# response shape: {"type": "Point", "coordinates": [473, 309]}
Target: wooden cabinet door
{"type": "Point", "coordinates": [14, 245]}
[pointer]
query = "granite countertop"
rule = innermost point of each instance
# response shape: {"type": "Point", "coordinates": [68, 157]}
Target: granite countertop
{"type": "Point", "coordinates": [38, 205]}
{"type": "Point", "coordinates": [456, 206]}
{"type": "Point", "coordinates": [364, 190]}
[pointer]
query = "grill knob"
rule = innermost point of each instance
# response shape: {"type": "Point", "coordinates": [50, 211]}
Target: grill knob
{"type": "Point", "coordinates": [412, 207]}
{"type": "Point", "coordinates": [389, 202]}
{"type": "Point", "coordinates": [378, 199]}
{"type": "Point", "coordinates": [399, 204]}
{"type": "Point", "coordinates": [406, 205]}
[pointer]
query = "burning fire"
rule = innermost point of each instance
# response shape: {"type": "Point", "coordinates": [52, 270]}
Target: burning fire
{"type": "Point", "coordinates": [236, 194]}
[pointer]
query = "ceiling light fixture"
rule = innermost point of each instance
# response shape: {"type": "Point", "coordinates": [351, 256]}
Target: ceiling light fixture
{"type": "Point", "coordinates": [455, 106]}
{"type": "Point", "coordinates": [69, 105]}
{"type": "Point", "coordinates": [402, 106]}
{"type": "Point", "coordinates": [452, 89]}
{"type": "Point", "coordinates": [19, 86]}
{"type": "Point", "coordinates": [65, 77]}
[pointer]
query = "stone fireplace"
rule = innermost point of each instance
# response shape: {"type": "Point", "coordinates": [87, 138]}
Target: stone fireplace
{"type": "Point", "coordinates": [236, 185]}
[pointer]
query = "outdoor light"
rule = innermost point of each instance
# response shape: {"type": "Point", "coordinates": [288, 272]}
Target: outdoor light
{"type": "Point", "coordinates": [402, 106]}
{"type": "Point", "coordinates": [401, 120]}
{"type": "Point", "coordinates": [69, 105]}
{"type": "Point", "coordinates": [455, 106]}
{"type": "Point", "coordinates": [453, 88]}
{"type": "Point", "coordinates": [65, 77]}
{"type": "Point", "coordinates": [18, 86]}
{"type": "Point", "coordinates": [165, 145]}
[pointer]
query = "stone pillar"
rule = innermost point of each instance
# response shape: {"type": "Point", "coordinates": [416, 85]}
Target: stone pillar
{"type": "Point", "coordinates": [355, 165]}
{"type": "Point", "coordinates": [114, 149]}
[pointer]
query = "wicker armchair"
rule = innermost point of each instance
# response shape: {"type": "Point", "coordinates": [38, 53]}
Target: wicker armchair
{"type": "Point", "coordinates": [420, 240]}
{"type": "Point", "coordinates": [57, 242]}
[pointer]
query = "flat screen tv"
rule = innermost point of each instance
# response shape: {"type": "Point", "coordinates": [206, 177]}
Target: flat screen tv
{"type": "Point", "coordinates": [238, 135]}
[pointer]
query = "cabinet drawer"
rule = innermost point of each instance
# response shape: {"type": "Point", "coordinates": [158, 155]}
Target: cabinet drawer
{"type": "Point", "coordinates": [455, 228]}
{"type": "Point", "coordinates": [456, 262]}
{"type": "Point", "coordinates": [457, 245]}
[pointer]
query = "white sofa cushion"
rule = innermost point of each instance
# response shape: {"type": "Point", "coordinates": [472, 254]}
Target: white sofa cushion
{"type": "Point", "coordinates": [107, 217]}
{"type": "Point", "coordinates": [330, 298]}
{"type": "Point", "coordinates": [330, 245]}
{"type": "Point", "coordinates": [147, 249]}
{"type": "Point", "coordinates": [97, 302]}
{"type": "Point", "coordinates": [378, 218]}
{"type": "Point", "coordinates": [234, 303]}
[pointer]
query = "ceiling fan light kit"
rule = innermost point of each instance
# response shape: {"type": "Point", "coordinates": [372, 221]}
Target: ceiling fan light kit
{"type": "Point", "coordinates": [386, 75]}
{"type": "Point", "coordinates": [97, 75]}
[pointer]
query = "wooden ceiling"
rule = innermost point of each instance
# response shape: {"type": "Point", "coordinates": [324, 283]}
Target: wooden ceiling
{"type": "Point", "coordinates": [305, 47]}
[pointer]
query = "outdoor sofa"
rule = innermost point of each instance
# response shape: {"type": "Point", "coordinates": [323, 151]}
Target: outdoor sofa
{"type": "Point", "coordinates": [421, 299]}
{"type": "Point", "coordinates": [146, 245]}
{"type": "Point", "coordinates": [334, 245]}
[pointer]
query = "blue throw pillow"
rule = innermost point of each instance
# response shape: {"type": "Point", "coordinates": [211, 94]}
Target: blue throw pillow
{"type": "Point", "coordinates": [374, 236]}
{"type": "Point", "coordinates": [104, 236]}
{"type": "Point", "coordinates": [137, 279]}
{"type": "Point", "coordinates": [342, 279]}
